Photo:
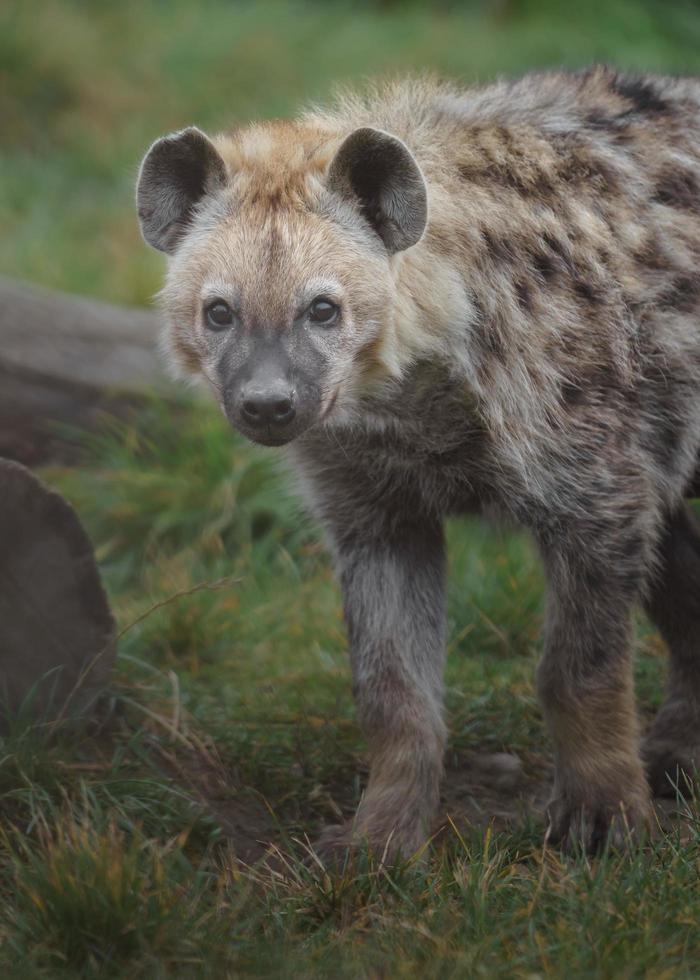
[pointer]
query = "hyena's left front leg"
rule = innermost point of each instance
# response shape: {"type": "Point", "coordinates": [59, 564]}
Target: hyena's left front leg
{"type": "Point", "coordinates": [586, 688]}
{"type": "Point", "coordinates": [393, 589]}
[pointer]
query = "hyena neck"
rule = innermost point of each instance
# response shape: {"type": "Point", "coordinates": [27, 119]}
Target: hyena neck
{"type": "Point", "coordinates": [430, 321]}
{"type": "Point", "coordinates": [415, 376]}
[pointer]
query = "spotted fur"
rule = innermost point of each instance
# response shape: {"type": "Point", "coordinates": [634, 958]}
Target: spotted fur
{"type": "Point", "coordinates": [536, 353]}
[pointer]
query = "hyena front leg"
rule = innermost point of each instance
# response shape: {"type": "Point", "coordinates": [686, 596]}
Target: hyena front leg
{"type": "Point", "coordinates": [393, 587]}
{"type": "Point", "coordinates": [672, 747]}
{"type": "Point", "coordinates": [586, 688]}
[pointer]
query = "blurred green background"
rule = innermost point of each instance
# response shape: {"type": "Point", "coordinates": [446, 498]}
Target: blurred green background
{"type": "Point", "coordinates": [233, 720]}
{"type": "Point", "coordinates": [86, 86]}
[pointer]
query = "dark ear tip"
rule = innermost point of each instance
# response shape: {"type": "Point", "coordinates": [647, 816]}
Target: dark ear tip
{"type": "Point", "coordinates": [176, 172]}
{"type": "Point", "coordinates": [187, 139]}
{"type": "Point", "coordinates": [189, 134]}
{"type": "Point", "coordinates": [378, 171]}
{"type": "Point", "coordinates": [370, 135]}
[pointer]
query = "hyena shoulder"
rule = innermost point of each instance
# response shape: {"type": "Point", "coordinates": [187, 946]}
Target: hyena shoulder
{"type": "Point", "coordinates": [557, 274]}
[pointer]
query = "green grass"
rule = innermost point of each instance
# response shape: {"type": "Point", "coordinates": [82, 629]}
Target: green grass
{"type": "Point", "coordinates": [133, 846]}
{"type": "Point", "coordinates": [136, 846]}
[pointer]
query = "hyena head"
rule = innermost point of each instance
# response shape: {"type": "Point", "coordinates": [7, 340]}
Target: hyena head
{"type": "Point", "coordinates": [279, 288]}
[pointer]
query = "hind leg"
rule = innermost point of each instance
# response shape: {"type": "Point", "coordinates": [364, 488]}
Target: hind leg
{"type": "Point", "coordinates": [672, 747]}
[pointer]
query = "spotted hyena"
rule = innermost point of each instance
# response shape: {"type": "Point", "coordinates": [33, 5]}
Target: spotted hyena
{"type": "Point", "coordinates": [445, 300]}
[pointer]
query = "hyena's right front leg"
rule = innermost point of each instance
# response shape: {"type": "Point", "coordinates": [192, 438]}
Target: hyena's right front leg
{"type": "Point", "coordinates": [393, 587]}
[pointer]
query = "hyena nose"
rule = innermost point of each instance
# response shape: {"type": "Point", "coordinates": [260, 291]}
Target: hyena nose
{"type": "Point", "coordinates": [267, 408]}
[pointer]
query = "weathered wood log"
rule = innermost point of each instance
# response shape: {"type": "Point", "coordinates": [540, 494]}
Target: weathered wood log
{"type": "Point", "coordinates": [65, 358]}
{"type": "Point", "coordinates": [57, 634]}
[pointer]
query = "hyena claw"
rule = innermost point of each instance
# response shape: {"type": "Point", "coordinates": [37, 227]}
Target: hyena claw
{"type": "Point", "coordinates": [585, 829]}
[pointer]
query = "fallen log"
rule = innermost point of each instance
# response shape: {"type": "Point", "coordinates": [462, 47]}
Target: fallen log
{"type": "Point", "coordinates": [64, 359]}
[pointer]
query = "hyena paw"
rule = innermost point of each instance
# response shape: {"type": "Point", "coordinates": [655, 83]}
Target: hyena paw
{"type": "Point", "coordinates": [577, 827]}
{"type": "Point", "coordinates": [671, 750]}
{"type": "Point", "coordinates": [672, 769]}
{"type": "Point", "coordinates": [333, 846]}
{"type": "Point", "coordinates": [339, 844]}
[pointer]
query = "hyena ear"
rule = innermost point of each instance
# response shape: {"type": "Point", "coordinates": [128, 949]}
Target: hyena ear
{"type": "Point", "coordinates": [176, 173]}
{"type": "Point", "coordinates": [377, 171]}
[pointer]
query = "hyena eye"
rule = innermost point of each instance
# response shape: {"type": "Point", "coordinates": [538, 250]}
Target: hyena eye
{"type": "Point", "coordinates": [219, 315]}
{"type": "Point", "coordinates": [323, 311]}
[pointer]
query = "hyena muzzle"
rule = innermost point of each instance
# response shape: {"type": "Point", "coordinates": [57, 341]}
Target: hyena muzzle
{"type": "Point", "coordinates": [441, 301]}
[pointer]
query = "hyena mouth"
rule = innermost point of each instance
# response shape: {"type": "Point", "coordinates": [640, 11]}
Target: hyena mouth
{"type": "Point", "coordinates": [271, 437]}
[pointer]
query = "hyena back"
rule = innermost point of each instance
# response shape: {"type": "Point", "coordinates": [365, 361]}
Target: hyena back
{"type": "Point", "coordinates": [445, 301]}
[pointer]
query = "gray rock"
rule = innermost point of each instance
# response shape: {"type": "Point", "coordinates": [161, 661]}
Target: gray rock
{"type": "Point", "coordinates": [57, 633]}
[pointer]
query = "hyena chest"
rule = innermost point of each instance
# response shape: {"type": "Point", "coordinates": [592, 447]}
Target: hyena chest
{"type": "Point", "coordinates": [429, 446]}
